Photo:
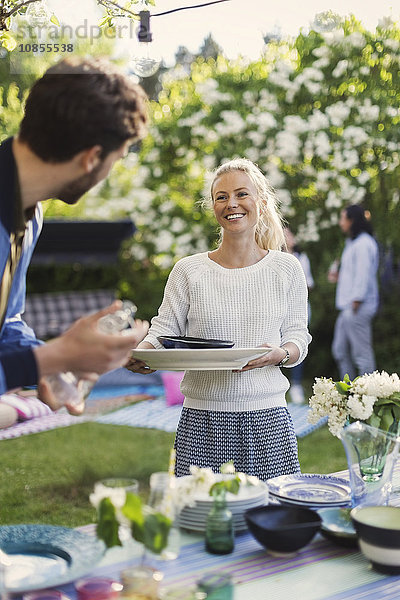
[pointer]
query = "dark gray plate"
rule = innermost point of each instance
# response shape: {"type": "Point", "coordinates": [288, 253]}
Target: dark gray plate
{"type": "Point", "coordinates": [192, 342]}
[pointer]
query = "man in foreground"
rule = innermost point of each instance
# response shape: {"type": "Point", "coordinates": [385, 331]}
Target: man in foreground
{"type": "Point", "coordinates": [80, 117]}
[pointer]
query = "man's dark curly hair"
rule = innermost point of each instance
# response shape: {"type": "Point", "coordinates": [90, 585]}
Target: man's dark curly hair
{"type": "Point", "coordinates": [79, 103]}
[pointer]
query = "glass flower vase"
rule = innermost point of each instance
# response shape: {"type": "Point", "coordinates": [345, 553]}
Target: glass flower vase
{"type": "Point", "coordinates": [371, 455]}
{"type": "Point", "coordinates": [219, 537]}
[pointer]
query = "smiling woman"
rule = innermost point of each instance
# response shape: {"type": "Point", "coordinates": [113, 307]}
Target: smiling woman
{"type": "Point", "coordinates": [240, 190]}
{"type": "Point", "coordinates": [236, 201]}
{"type": "Point", "coordinates": [250, 292]}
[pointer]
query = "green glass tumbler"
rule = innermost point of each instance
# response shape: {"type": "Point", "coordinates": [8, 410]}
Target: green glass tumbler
{"type": "Point", "coordinates": [216, 586]}
{"type": "Point", "coordinates": [219, 526]}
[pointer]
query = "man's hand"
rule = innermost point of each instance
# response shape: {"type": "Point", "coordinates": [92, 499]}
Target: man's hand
{"type": "Point", "coordinates": [47, 395]}
{"type": "Point", "coordinates": [83, 348]}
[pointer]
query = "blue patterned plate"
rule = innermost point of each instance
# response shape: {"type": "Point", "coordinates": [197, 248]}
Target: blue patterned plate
{"type": "Point", "coordinates": [310, 489]}
{"type": "Point", "coordinates": [44, 556]}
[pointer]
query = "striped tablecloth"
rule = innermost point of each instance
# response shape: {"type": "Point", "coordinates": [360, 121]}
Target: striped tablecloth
{"type": "Point", "coordinates": [320, 571]}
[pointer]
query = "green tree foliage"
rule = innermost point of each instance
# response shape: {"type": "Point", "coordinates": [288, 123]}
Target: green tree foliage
{"type": "Point", "coordinates": [210, 48]}
{"type": "Point", "coordinates": [319, 115]}
{"type": "Point", "coordinates": [11, 110]}
{"type": "Point", "coordinates": [11, 10]}
{"type": "Point", "coordinates": [36, 13]}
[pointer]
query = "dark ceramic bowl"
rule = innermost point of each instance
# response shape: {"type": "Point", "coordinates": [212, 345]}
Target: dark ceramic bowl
{"type": "Point", "coordinates": [337, 526]}
{"type": "Point", "coordinates": [192, 342]}
{"type": "Point", "coordinates": [378, 530]}
{"type": "Point", "coordinates": [282, 529]}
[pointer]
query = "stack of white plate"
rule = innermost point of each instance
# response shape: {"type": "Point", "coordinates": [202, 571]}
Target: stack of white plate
{"type": "Point", "coordinates": [194, 517]}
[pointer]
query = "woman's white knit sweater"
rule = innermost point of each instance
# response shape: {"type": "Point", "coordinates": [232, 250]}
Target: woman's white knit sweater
{"type": "Point", "coordinates": [263, 303]}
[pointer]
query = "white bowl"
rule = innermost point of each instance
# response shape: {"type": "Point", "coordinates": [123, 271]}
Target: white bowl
{"type": "Point", "coordinates": [378, 530]}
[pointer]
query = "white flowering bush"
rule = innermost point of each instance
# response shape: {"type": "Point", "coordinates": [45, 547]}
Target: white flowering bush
{"type": "Point", "coordinates": [373, 398]}
{"type": "Point", "coordinates": [319, 114]}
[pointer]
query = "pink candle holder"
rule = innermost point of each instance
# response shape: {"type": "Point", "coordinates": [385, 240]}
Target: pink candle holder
{"type": "Point", "coordinates": [98, 588]}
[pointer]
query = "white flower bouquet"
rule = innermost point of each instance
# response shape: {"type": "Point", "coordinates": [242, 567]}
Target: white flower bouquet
{"type": "Point", "coordinates": [203, 480]}
{"type": "Point", "coordinates": [373, 398]}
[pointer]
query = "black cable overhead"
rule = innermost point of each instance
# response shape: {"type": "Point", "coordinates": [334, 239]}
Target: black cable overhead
{"type": "Point", "coordinates": [188, 7]}
{"type": "Point", "coordinates": [108, 3]}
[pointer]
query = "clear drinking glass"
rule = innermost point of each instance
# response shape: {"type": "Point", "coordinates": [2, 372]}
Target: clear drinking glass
{"type": "Point", "coordinates": [187, 592]}
{"type": "Point", "coordinates": [217, 585]}
{"type": "Point", "coordinates": [161, 499]}
{"type": "Point", "coordinates": [129, 484]}
{"type": "Point", "coordinates": [371, 455]}
{"type": "Point", "coordinates": [141, 583]}
{"type": "Point", "coordinates": [66, 387]}
{"type": "Point", "coordinates": [115, 485]}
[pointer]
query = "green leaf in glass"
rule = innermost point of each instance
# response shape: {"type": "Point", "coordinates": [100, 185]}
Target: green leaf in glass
{"type": "Point", "coordinates": [107, 526]}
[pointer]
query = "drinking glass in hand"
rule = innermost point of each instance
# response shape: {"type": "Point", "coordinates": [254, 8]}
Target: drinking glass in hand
{"type": "Point", "coordinates": [67, 388]}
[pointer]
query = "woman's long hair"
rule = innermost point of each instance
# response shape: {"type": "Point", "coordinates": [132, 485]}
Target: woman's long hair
{"type": "Point", "coordinates": [269, 229]}
{"type": "Point", "coordinates": [359, 221]}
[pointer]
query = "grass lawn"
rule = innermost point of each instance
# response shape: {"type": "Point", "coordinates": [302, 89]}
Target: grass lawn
{"type": "Point", "coordinates": [47, 477]}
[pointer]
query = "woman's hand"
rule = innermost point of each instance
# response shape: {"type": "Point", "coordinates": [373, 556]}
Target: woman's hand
{"type": "Point", "coordinates": [273, 357]}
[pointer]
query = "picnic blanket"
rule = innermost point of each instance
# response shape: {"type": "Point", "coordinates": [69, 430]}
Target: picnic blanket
{"type": "Point", "coordinates": [156, 415]}
{"type": "Point", "coordinates": [124, 398]}
{"type": "Point", "coordinates": [98, 403]}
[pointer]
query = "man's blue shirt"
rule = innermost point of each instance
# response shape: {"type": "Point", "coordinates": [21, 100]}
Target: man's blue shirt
{"type": "Point", "coordinates": [17, 363]}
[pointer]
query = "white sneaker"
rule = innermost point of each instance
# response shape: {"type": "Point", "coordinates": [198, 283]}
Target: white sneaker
{"type": "Point", "coordinates": [296, 394]}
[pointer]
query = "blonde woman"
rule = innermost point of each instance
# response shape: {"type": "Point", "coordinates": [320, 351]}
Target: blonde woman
{"type": "Point", "coordinates": [250, 292]}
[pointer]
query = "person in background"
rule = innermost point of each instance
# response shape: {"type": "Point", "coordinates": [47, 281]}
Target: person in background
{"type": "Point", "coordinates": [80, 117]}
{"type": "Point", "coordinates": [296, 374]}
{"type": "Point", "coordinates": [250, 292]}
{"type": "Point", "coordinates": [357, 295]}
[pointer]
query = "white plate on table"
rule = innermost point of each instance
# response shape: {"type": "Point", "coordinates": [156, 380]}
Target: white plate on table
{"type": "Point", "coordinates": [44, 556]}
{"type": "Point", "coordinates": [185, 359]}
{"type": "Point", "coordinates": [312, 490]}
{"type": "Point", "coordinates": [200, 524]}
{"type": "Point", "coordinates": [194, 517]}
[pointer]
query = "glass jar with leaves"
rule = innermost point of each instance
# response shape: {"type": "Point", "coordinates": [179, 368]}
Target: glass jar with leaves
{"type": "Point", "coordinates": [118, 510]}
{"type": "Point", "coordinates": [220, 535]}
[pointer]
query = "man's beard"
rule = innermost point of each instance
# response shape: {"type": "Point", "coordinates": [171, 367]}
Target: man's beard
{"type": "Point", "coordinates": [72, 192]}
